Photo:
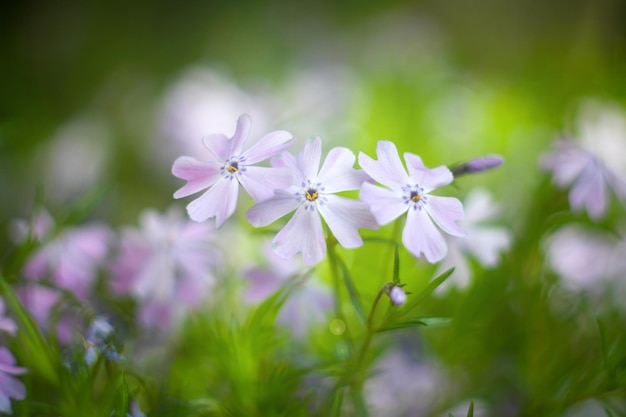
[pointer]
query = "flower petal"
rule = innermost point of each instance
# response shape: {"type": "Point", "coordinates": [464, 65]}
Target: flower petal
{"type": "Point", "coordinates": [269, 145]}
{"type": "Point", "coordinates": [445, 211]}
{"type": "Point", "coordinates": [309, 158]}
{"type": "Point", "coordinates": [219, 145]}
{"type": "Point", "coordinates": [303, 233]}
{"type": "Point", "coordinates": [260, 182]}
{"type": "Point", "coordinates": [589, 190]}
{"type": "Point", "coordinates": [269, 211]}
{"type": "Point", "coordinates": [344, 217]}
{"type": "Point", "coordinates": [338, 174]}
{"type": "Point", "coordinates": [427, 178]}
{"type": "Point", "coordinates": [244, 123]}
{"type": "Point", "coordinates": [198, 174]}
{"type": "Point", "coordinates": [386, 205]}
{"type": "Point", "coordinates": [219, 201]}
{"type": "Point", "coordinates": [421, 237]}
{"type": "Point", "coordinates": [388, 170]}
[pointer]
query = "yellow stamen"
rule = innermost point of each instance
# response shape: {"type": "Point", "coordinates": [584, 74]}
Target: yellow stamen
{"type": "Point", "coordinates": [416, 198]}
{"type": "Point", "coordinates": [311, 195]}
{"type": "Point", "coordinates": [232, 169]}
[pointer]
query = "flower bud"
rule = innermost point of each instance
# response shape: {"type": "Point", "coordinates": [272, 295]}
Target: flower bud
{"type": "Point", "coordinates": [397, 295]}
{"type": "Point", "coordinates": [473, 166]}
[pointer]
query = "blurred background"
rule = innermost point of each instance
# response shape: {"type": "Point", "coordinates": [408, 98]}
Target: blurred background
{"type": "Point", "coordinates": [100, 97]}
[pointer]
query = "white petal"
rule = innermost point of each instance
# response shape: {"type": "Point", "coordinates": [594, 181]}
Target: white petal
{"type": "Point", "coordinates": [589, 191]}
{"type": "Point", "coordinates": [309, 158]}
{"type": "Point", "coordinates": [269, 145]}
{"type": "Point", "coordinates": [386, 205]}
{"type": "Point", "coordinates": [446, 211]}
{"type": "Point", "coordinates": [421, 237]}
{"type": "Point", "coordinates": [219, 145]}
{"type": "Point", "coordinates": [219, 201]}
{"type": "Point", "coordinates": [268, 211]}
{"type": "Point", "coordinates": [303, 233]}
{"type": "Point", "coordinates": [260, 182]}
{"type": "Point", "coordinates": [427, 178]}
{"type": "Point", "coordinates": [388, 170]}
{"type": "Point", "coordinates": [344, 217]}
{"type": "Point", "coordinates": [338, 174]}
{"type": "Point", "coordinates": [198, 174]}
{"type": "Point", "coordinates": [241, 135]}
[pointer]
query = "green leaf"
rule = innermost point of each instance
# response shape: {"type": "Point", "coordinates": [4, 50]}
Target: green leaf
{"type": "Point", "coordinates": [402, 325]}
{"type": "Point", "coordinates": [470, 411]}
{"type": "Point", "coordinates": [40, 355]}
{"type": "Point", "coordinates": [396, 265]}
{"type": "Point", "coordinates": [352, 291]}
{"type": "Point", "coordinates": [414, 301]}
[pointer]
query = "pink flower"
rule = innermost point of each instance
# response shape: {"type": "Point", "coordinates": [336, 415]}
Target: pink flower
{"type": "Point", "coordinates": [410, 194]}
{"type": "Point", "coordinates": [230, 166]}
{"type": "Point", "coordinates": [166, 264]}
{"type": "Point", "coordinates": [40, 302]}
{"type": "Point", "coordinates": [69, 258]}
{"type": "Point", "coordinates": [6, 324]}
{"type": "Point", "coordinates": [594, 163]}
{"type": "Point", "coordinates": [311, 195]}
{"type": "Point", "coordinates": [10, 387]}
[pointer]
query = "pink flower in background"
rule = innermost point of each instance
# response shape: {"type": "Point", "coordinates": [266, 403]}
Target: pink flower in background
{"type": "Point", "coordinates": [70, 258]}
{"type": "Point", "coordinates": [410, 194]}
{"type": "Point", "coordinates": [40, 302]}
{"type": "Point", "coordinates": [311, 195]}
{"type": "Point", "coordinates": [483, 241]}
{"type": "Point", "coordinates": [230, 166]}
{"type": "Point", "coordinates": [308, 303]}
{"type": "Point", "coordinates": [10, 387]}
{"type": "Point", "coordinates": [594, 163]}
{"type": "Point", "coordinates": [166, 264]}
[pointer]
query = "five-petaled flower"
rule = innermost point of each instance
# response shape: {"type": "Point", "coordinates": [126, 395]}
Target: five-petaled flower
{"type": "Point", "coordinates": [230, 166]}
{"type": "Point", "coordinates": [410, 194]}
{"type": "Point", "coordinates": [311, 195]}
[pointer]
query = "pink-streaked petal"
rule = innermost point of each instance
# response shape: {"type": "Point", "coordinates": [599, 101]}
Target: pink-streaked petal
{"type": "Point", "coordinates": [218, 145]}
{"type": "Point", "coordinates": [268, 211]}
{"type": "Point", "coordinates": [309, 158]}
{"type": "Point", "coordinates": [421, 237]}
{"type": "Point", "coordinates": [244, 123]}
{"type": "Point", "coordinates": [446, 211]}
{"type": "Point", "coordinates": [338, 174]}
{"type": "Point", "coordinates": [344, 217]}
{"type": "Point", "coordinates": [388, 170]}
{"type": "Point", "coordinates": [198, 174]}
{"type": "Point", "coordinates": [386, 205]}
{"type": "Point", "coordinates": [260, 182]}
{"type": "Point", "coordinates": [303, 233]}
{"type": "Point", "coordinates": [427, 178]}
{"type": "Point", "coordinates": [269, 145]}
{"type": "Point", "coordinates": [219, 201]}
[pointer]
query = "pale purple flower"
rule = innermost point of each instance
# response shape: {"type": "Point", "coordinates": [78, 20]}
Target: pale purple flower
{"type": "Point", "coordinates": [411, 194]}
{"type": "Point", "coordinates": [40, 302]}
{"type": "Point", "coordinates": [6, 324]}
{"type": "Point", "coordinates": [70, 258]}
{"type": "Point", "coordinates": [593, 163]}
{"type": "Point", "coordinates": [231, 164]}
{"type": "Point", "coordinates": [309, 301]}
{"type": "Point", "coordinates": [311, 195]}
{"type": "Point", "coordinates": [483, 240]}
{"type": "Point", "coordinates": [10, 387]}
{"type": "Point", "coordinates": [167, 262]}
{"type": "Point", "coordinates": [98, 340]}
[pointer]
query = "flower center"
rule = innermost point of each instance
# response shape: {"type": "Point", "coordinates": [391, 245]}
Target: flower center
{"type": "Point", "coordinates": [311, 194]}
{"type": "Point", "coordinates": [232, 167]}
{"type": "Point", "coordinates": [414, 196]}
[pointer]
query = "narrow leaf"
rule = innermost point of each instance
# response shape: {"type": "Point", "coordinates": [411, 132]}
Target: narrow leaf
{"type": "Point", "coordinates": [414, 301]}
{"type": "Point", "coordinates": [470, 412]}
{"type": "Point", "coordinates": [354, 295]}
{"type": "Point", "coordinates": [396, 265]}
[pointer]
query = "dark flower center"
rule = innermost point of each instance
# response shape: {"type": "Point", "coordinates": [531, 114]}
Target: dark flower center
{"type": "Point", "coordinates": [232, 167]}
{"type": "Point", "coordinates": [415, 196]}
{"type": "Point", "coordinates": [311, 194]}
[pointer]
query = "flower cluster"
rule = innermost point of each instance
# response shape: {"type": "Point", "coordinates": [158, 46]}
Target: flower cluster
{"type": "Point", "coordinates": [298, 183]}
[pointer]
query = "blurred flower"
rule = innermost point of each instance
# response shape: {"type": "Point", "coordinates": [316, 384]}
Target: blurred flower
{"type": "Point", "coordinates": [232, 165]}
{"type": "Point", "coordinates": [593, 164]}
{"type": "Point", "coordinates": [397, 295]}
{"type": "Point", "coordinates": [309, 301]}
{"type": "Point", "coordinates": [482, 241]}
{"type": "Point", "coordinates": [402, 386]}
{"type": "Point", "coordinates": [10, 388]}
{"type": "Point", "coordinates": [311, 195]}
{"type": "Point", "coordinates": [40, 302]}
{"type": "Point", "coordinates": [166, 265]}
{"type": "Point", "coordinates": [98, 341]}
{"type": "Point", "coordinates": [587, 259]}
{"type": "Point", "coordinates": [6, 324]}
{"type": "Point", "coordinates": [69, 257]}
{"type": "Point", "coordinates": [410, 194]}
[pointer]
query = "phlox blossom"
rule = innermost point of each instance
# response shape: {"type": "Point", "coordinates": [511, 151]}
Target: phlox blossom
{"type": "Point", "coordinates": [231, 164]}
{"type": "Point", "coordinates": [411, 194]}
{"type": "Point", "coordinates": [593, 163]}
{"type": "Point", "coordinates": [6, 324]}
{"type": "Point", "coordinates": [10, 387]}
{"type": "Point", "coordinates": [166, 264]}
{"type": "Point", "coordinates": [311, 195]}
